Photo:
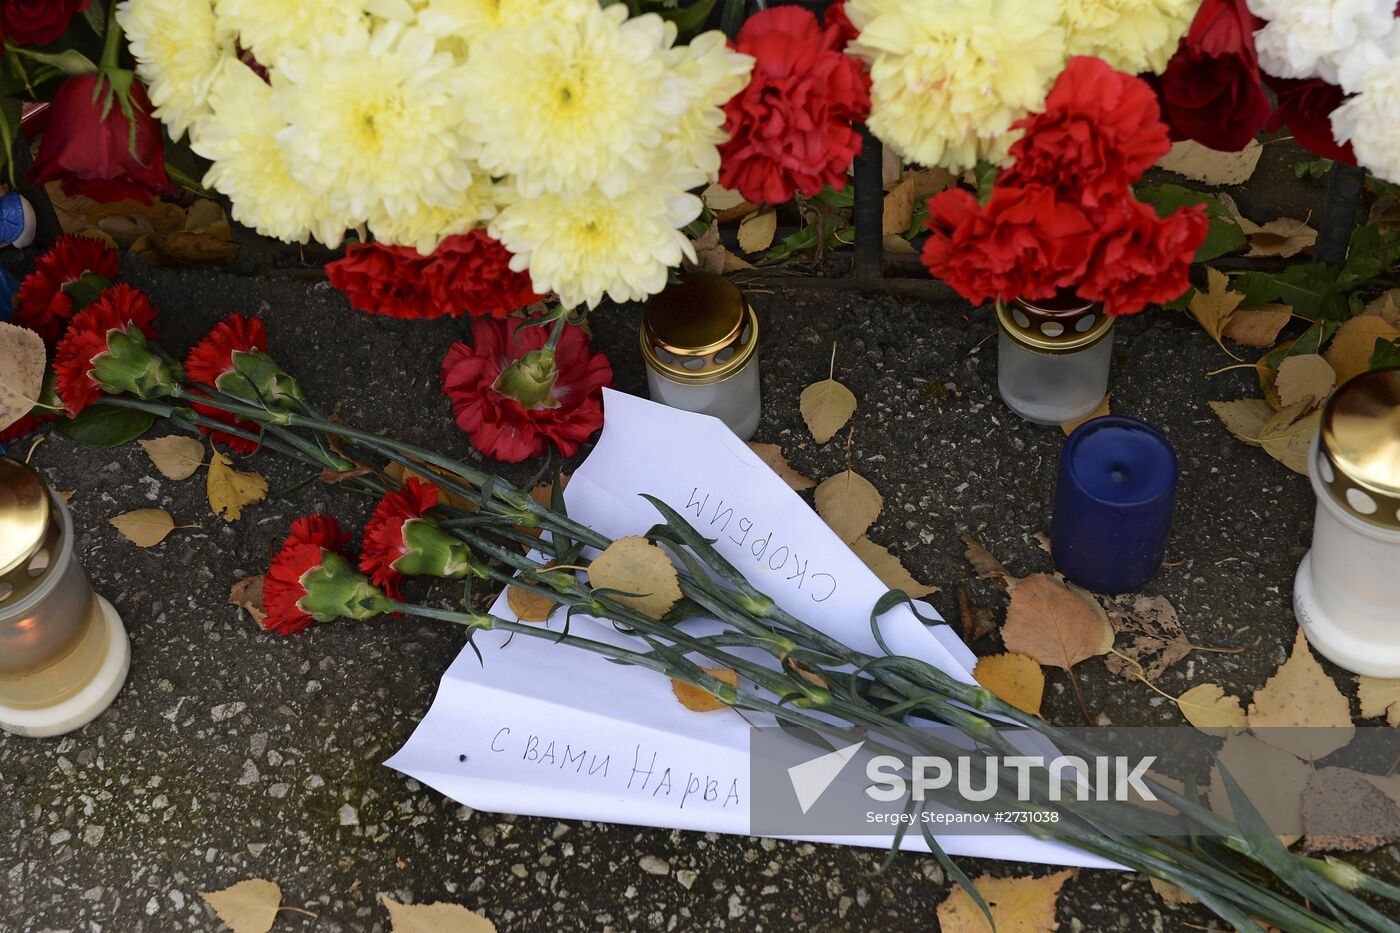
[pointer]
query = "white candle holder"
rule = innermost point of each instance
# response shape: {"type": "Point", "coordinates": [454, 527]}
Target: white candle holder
{"type": "Point", "coordinates": [64, 653]}
{"type": "Point", "coordinates": [700, 343]}
{"type": "Point", "coordinates": [1347, 592]}
{"type": "Point", "coordinates": [1053, 357]}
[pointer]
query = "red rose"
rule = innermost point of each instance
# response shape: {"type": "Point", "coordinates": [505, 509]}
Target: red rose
{"type": "Point", "coordinates": [790, 128]}
{"type": "Point", "coordinates": [536, 412]}
{"type": "Point", "coordinates": [1210, 91]}
{"type": "Point", "coordinates": [1305, 107]}
{"type": "Point", "coordinates": [835, 15]}
{"type": "Point", "coordinates": [388, 280]}
{"type": "Point", "coordinates": [1100, 131]}
{"type": "Point", "coordinates": [107, 158]}
{"type": "Point", "coordinates": [41, 304]}
{"type": "Point", "coordinates": [37, 22]}
{"type": "Point", "coordinates": [1023, 243]}
{"type": "Point", "coordinates": [471, 273]}
{"type": "Point", "coordinates": [1143, 259]}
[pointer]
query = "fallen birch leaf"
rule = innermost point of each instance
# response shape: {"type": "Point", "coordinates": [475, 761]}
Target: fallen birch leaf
{"type": "Point", "coordinates": [1245, 418]}
{"type": "Point", "coordinates": [1014, 678]}
{"type": "Point", "coordinates": [1158, 642]}
{"type": "Point", "coordinates": [1344, 811]}
{"type": "Point", "coordinates": [983, 563]}
{"type": "Point", "coordinates": [1258, 326]}
{"type": "Point", "coordinates": [888, 568]}
{"type": "Point", "coordinates": [1272, 780]}
{"type": "Point", "coordinates": [528, 605]}
{"type": "Point", "coordinates": [247, 907]}
{"type": "Point", "coordinates": [1052, 624]}
{"type": "Point", "coordinates": [230, 491]}
{"type": "Point", "coordinates": [634, 565]}
{"type": "Point", "coordinates": [1017, 905]}
{"type": "Point", "coordinates": [1215, 168]}
{"type": "Point", "coordinates": [1170, 894]}
{"type": "Point", "coordinates": [772, 455]}
{"type": "Point", "coordinates": [1208, 707]}
{"type": "Point", "coordinates": [1306, 377]}
{"type": "Point", "coordinates": [1301, 708]}
{"type": "Point", "coordinates": [899, 208]}
{"type": "Point", "coordinates": [434, 918]}
{"type": "Point", "coordinates": [756, 231]}
{"type": "Point", "coordinates": [849, 504]}
{"type": "Point", "coordinates": [144, 527]}
{"type": "Point", "coordinates": [247, 594]}
{"type": "Point", "coordinates": [1069, 426]}
{"type": "Point", "coordinates": [700, 700]}
{"type": "Point", "coordinates": [898, 244]}
{"type": "Point", "coordinates": [1282, 238]}
{"type": "Point", "coordinates": [1286, 437]}
{"type": "Point", "coordinates": [1379, 697]}
{"type": "Point", "coordinates": [176, 456]}
{"type": "Point", "coordinates": [67, 495]}
{"type": "Point", "coordinates": [1214, 306]}
{"type": "Point", "coordinates": [826, 406]}
{"type": "Point", "coordinates": [1350, 351]}
{"type": "Point", "coordinates": [22, 362]}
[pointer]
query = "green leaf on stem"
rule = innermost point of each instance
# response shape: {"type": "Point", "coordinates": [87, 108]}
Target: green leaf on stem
{"type": "Point", "coordinates": [1314, 290]}
{"type": "Point", "coordinates": [689, 19]}
{"type": "Point", "coordinates": [104, 426]}
{"type": "Point", "coordinates": [1386, 355]}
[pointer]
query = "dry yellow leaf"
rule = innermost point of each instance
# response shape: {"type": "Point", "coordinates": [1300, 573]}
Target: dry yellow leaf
{"type": "Point", "coordinates": [1300, 709]}
{"type": "Point", "coordinates": [1017, 905]}
{"type": "Point", "coordinates": [1054, 625]}
{"type": "Point", "coordinates": [826, 406]}
{"type": "Point", "coordinates": [1215, 168]}
{"type": "Point", "coordinates": [1170, 894]}
{"type": "Point", "coordinates": [1214, 306]}
{"type": "Point", "coordinates": [446, 498]}
{"type": "Point", "coordinates": [67, 495]}
{"type": "Point", "coordinates": [1069, 426]}
{"type": "Point", "coordinates": [528, 605]}
{"type": "Point", "coordinates": [719, 199]}
{"type": "Point", "coordinates": [1258, 326]}
{"type": "Point", "coordinates": [849, 504]}
{"type": "Point", "coordinates": [1379, 697]}
{"type": "Point", "coordinates": [772, 455]}
{"type": "Point", "coordinates": [1272, 780]}
{"type": "Point", "coordinates": [636, 566]}
{"type": "Point", "coordinates": [899, 207]}
{"type": "Point", "coordinates": [1014, 678]}
{"type": "Point", "coordinates": [1208, 707]}
{"type": "Point", "coordinates": [984, 563]}
{"type": "Point", "coordinates": [176, 456]}
{"type": "Point", "coordinates": [229, 490]}
{"type": "Point", "coordinates": [1351, 349]}
{"type": "Point", "coordinates": [22, 361]}
{"type": "Point", "coordinates": [1284, 435]}
{"type": "Point", "coordinates": [1245, 418]}
{"type": "Point", "coordinates": [888, 568]}
{"type": "Point", "coordinates": [756, 231]}
{"type": "Point", "coordinates": [699, 700]}
{"type": "Point", "coordinates": [247, 907]}
{"type": "Point", "coordinates": [433, 918]}
{"type": "Point", "coordinates": [1304, 377]}
{"type": "Point", "coordinates": [1283, 238]}
{"type": "Point", "coordinates": [144, 527]}
{"type": "Point", "coordinates": [897, 244]}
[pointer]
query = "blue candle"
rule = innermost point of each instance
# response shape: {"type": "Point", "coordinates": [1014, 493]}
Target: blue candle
{"type": "Point", "coordinates": [1113, 504]}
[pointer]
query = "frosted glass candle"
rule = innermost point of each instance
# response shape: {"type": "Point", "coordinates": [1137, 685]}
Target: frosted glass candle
{"type": "Point", "coordinates": [1053, 358]}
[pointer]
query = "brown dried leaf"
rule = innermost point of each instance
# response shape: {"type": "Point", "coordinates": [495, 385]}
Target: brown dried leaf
{"type": "Point", "coordinates": [528, 605]}
{"type": "Point", "coordinates": [1052, 624]}
{"type": "Point", "coordinates": [977, 621]}
{"type": "Point", "coordinates": [434, 918]}
{"type": "Point", "coordinates": [176, 456]}
{"type": "Point", "coordinates": [772, 455]}
{"type": "Point", "coordinates": [1271, 778]}
{"type": "Point", "coordinates": [1350, 350]}
{"type": "Point", "coordinates": [1215, 168]}
{"type": "Point", "coordinates": [888, 568]}
{"type": "Point", "coordinates": [1344, 811]}
{"type": "Point", "coordinates": [1257, 326]}
{"type": "Point", "coordinates": [1304, 377]}
{"type": "Point", "coordinates": [1014, 678]}
{"type": "Point", "coordinates": [1069, 426]}
{"type": "Point", "coordinates": [756, 231]}
{"type": "Point", "coordinates": [1300, 694]}
{"type": "Point", "coordinates": [230, 491]}
{"type": "Point", "coordinates": [144, 527]}
{"type": "Point", "coordinates": [1170, 894]}
{"type": "Point", "coordinates": [247, 594]}
{"type": "Point", "coordinates": [1159, 641]}
{"type": "Point", "coordinates": [1017, 905]}
{"type": "Point", "coordinates": [247, 907]}
{"type": "Point", "coordinates": [1245, 418]}
{"type": "Point", "coordinates": [1283, 238]}
{"type": "Point", "coordinates": [1207, 707]}
{"type": "Point", "coordinates": [826, 406]}
{"type": "Point", "coordinates": [22, 362]}
{"type": "Point", "coordinates": [899, 207]}
{"type": "Point", "coordinates": [849, 504]}
{"type": "Point", "coordinates": [983, 563]}
{"type": "Point", "coordinates": [1214, 306]}
{"type": "Point", "coordinates": [635, 565]}
{"type": "Point", "coordinates": [699, 700]}
{"type": "Point", "coordinates": [1379, 697]}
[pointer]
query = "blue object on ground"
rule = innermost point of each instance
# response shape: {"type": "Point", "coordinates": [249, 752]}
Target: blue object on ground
{"type": "Point", "coordinates": [9, 285]}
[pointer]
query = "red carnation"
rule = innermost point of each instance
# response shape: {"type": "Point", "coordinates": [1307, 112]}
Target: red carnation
{"type": "Point", "coordinates": [1306, 106]}
{"type": "Point", "coordinates": [212, 357]}
{"type": "Point", "coordinates": [513, 401]}
{"type": "Point", "coordinates": [1143, 259]}
{"type": "Point", "coordinates": [120, 308]}
{"type": "Point", "coordinates": [24, 426]}
{"type": "Point", "coordinates": [835, 15]}
{"type": "Point", "coordinates": [1023, 243]}
{"type": "Point", "coordinates": [1100, 131]}
{"type": "Point", "coordinates": [95, 147]}
{"type": "Point", "coordinates": [1211, 90]}
{"type": "Point", "coordinates": [388, 280]}
{"type": "Point", "coordinates": [37, 22]}
{"type": "Point", "coordinates": [384, 538]}
{"type": "Point", "coordinates": [470, 273]}
{"type": "Point", "coordinates": [41, 304]}
{"type": "Point", "coordinates": [790, 128]}
{"type": "Point", "coordinates": [304, 550]}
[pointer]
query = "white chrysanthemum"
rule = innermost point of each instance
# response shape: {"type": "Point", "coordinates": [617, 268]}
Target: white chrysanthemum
{"type": "Point", "coordinates": [179, 47]}
{"type": "Point", "coordinates": [1131, 35]}
{"type": "Point", "coordinates": [949, 77]}
{"type": "Point", "coordinates": [713, 73]}
{"type": "Point", "coordinates": [588, 244]}
{"type": "Point", "coordinates": [427, 225]}
{"type": "Point", "coordinates": [468, 22]}
{"type": "Point", "coordinates": [1340, 41]}
{"type": "Point", "coordinates": [563, 105]}
{"type": "Point", "coordinates": [375, 120]}
{"type": "Point", "coordinates": [268, 28]}
{"type": "Point", "coordinates": [240, 137]}
{"type": "Point", "coordinates": [1370, 121]}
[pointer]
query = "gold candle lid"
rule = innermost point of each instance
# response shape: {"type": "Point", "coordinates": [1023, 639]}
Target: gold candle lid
{"type": "Point", "coordinates": [24, 514]}
{"type": "Point", "coordinates": [1054, 325]}
{"type": "Point", "coordinates": [1359, 447]}
{"type": "Point", "coordinates": [699, 330]}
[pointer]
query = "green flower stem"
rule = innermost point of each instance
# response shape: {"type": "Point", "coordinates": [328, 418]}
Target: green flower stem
{"type": "Point", "coordinates": [112, 40]}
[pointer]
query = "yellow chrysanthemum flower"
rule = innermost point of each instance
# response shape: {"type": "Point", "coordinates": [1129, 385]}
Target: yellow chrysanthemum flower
{"type": "Point", "coordinates": [240, 137]}
{"type": "Point", "coordinates": [268, 28]}
{"type": "Point", "coordinates": [179, 47]}
{"type": "Point", "coordinates": [589, 243]}
{"type": "Point", "coordinates": [713, 73]}
{"type": "Point", "coordinates": [374, 120]}
{"type": "Point", "coordinates": [563, 105]}
{"type": "Point", "coordinates": [1131, 35]}
{"type": "Point", "coordinates": [424, 227]}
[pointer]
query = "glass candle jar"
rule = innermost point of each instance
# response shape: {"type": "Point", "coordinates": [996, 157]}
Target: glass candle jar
{"type": "Point", "coordinates": [1053, 357]}
{"type": "Point", "coordinates": [1347, 592]}
{"type": "Point", "coordinates": [700, 343]}
{"type": "Point", "coordinates": [64, 653]}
